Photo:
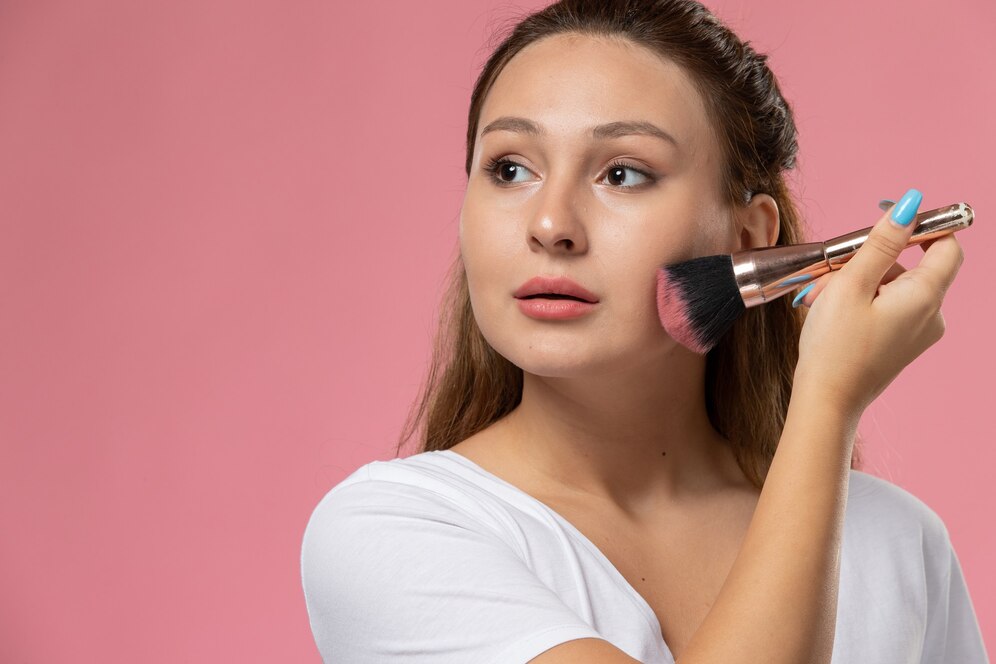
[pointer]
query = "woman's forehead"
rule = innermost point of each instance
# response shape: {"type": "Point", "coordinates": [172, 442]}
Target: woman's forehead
{"type": "Point", "coordinates": [570, 83]}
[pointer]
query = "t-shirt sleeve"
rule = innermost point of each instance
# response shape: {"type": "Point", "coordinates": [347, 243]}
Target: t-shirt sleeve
{"type": "Point", "coordinates": [398, 573]}
{"type": "Point", "coordinates": [952, 631]}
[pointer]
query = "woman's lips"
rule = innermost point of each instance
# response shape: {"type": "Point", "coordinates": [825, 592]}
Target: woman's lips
{"type": "Point", "coordinates": [544, 308]}
{"type": "Point", "coordinates": [544, 286]}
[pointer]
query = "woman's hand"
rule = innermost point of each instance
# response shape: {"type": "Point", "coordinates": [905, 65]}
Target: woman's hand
{"type": "Point", "coordinates": [871, 318]}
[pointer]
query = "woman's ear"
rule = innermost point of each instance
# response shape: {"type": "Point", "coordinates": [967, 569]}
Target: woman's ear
{"type": "Point", "coordinates": [758, 222]}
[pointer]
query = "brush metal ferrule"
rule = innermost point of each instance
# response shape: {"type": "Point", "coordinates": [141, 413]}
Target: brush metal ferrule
{"type": "Point", "coordinates": [770, 272]}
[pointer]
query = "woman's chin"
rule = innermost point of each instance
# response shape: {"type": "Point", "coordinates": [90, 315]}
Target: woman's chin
{"type": "Point", "coordinates": [563, 363]}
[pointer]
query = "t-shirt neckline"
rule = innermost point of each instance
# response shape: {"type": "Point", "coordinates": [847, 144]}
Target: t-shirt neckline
{"type": "Point", "coordinates": [581, 537]}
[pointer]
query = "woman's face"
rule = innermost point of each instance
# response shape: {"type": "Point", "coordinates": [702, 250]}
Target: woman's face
{"type": "Point", "coordinates": [604, 208]}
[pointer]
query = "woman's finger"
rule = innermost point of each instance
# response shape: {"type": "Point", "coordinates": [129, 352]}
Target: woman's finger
{"type": "Point", "coordinates": [808, 294]}
{"type": "Point", "coordinates": [941, 261]}
{"type": "Point", "coordinates": [894, 271]}
{"type": "Point", "coordinates": [885, 205]}
{"type": "Point", "coordinates": [886, 240]}
{"type": "Point", "coordinates": [811, 292]}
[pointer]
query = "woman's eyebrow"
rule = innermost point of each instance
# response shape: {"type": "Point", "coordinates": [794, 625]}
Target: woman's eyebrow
{"type": "Point", "coordinates": [603, 131]}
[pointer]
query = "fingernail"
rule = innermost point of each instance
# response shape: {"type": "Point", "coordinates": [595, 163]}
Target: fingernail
{"type": "Point", "coordinates": [795, 280]}
{"type": "Point", "coordinates": [802, 294]}
{"type": "Point", "coordinates": [906, 208]}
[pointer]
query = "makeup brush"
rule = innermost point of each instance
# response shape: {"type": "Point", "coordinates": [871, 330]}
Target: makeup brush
{"type": "Point", "coordinates": [698, 300]}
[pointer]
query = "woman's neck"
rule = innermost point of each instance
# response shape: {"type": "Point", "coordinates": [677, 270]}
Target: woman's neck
{"type": "Point", "coordinates": [635, 440]}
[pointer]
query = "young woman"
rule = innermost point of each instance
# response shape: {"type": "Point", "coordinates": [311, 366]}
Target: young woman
{"type": "Point", "coordinates": [588, 490]}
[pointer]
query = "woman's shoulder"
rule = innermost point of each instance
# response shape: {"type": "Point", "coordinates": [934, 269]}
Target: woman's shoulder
{"type": "Point", "coordinates": [430, 485]}
{"type": "Point", "coordinates": [901, 584]}
{"type": "Point", "coordinates": [881, 513]}
{"type": "Point", "coordinates": [418, 470]}
{"type": "Point", "coordinates": [432, 471]}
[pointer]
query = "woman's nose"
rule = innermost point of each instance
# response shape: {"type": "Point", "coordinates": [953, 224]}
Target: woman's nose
{"type": "Point", "coordinates": [557, 224]}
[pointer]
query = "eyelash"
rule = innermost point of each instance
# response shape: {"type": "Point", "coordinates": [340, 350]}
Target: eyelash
{"type": "Point", "coordinates": [491, 168]}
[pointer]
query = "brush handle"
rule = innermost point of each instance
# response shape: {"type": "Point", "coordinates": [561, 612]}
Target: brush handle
{"type": "Point", "coordinates": [770, 272]}
{"type": "Point", "coordinates": [929, 224]}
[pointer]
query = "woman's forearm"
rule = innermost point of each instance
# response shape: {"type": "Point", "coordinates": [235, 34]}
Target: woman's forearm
{"type": "Point", "coordinates": [779, 602]}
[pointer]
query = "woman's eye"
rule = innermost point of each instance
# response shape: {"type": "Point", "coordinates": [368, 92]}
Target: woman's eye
{"type": "Point", "coordinates": [617, 175]}
{"type": "Point", "coordinates": [504, 171]}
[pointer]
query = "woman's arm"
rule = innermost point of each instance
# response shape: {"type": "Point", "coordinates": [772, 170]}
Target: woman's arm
{"type": "Point", "coordinates": [779, 602]}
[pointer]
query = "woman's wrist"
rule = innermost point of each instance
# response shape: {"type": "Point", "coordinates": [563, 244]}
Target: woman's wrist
{"type": "Point", "coordinates": [820, 404]}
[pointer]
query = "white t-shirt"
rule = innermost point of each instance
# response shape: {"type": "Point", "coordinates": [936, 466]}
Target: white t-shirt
{"type": "Point", "coordinates": [431, 559]}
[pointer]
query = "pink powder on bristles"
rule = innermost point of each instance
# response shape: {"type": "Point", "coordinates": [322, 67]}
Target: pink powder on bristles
{"type": "Point", "coordinates": [673, 312]}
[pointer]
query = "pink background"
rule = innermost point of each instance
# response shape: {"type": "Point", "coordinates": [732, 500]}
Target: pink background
{"type": "Point", "coordinates": [224, 228]}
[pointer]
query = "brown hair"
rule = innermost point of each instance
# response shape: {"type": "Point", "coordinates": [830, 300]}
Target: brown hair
{"type": "Point", "coordinates": [749, 373]}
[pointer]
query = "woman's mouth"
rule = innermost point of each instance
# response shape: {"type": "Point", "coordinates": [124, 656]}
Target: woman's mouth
{"type": "Point", "coordinates": [552, 296]}
{"type": "Point", "coordinates": [552, 306]}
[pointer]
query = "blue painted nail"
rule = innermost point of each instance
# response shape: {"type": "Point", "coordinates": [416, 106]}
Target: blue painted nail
{"type": "Point", "coordinates": [796, 280]}
{"type": "Point", "coordinates": [906, 208]}
{"type": "Point", "coordinates": [802, 294]}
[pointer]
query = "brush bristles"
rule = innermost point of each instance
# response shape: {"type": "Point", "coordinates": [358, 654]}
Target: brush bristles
{"type": "Point", "coordinates": [698, 300]}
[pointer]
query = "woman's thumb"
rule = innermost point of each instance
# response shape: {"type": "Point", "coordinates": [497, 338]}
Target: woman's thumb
{"type": "Point", "coordinates": [886, 240]}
